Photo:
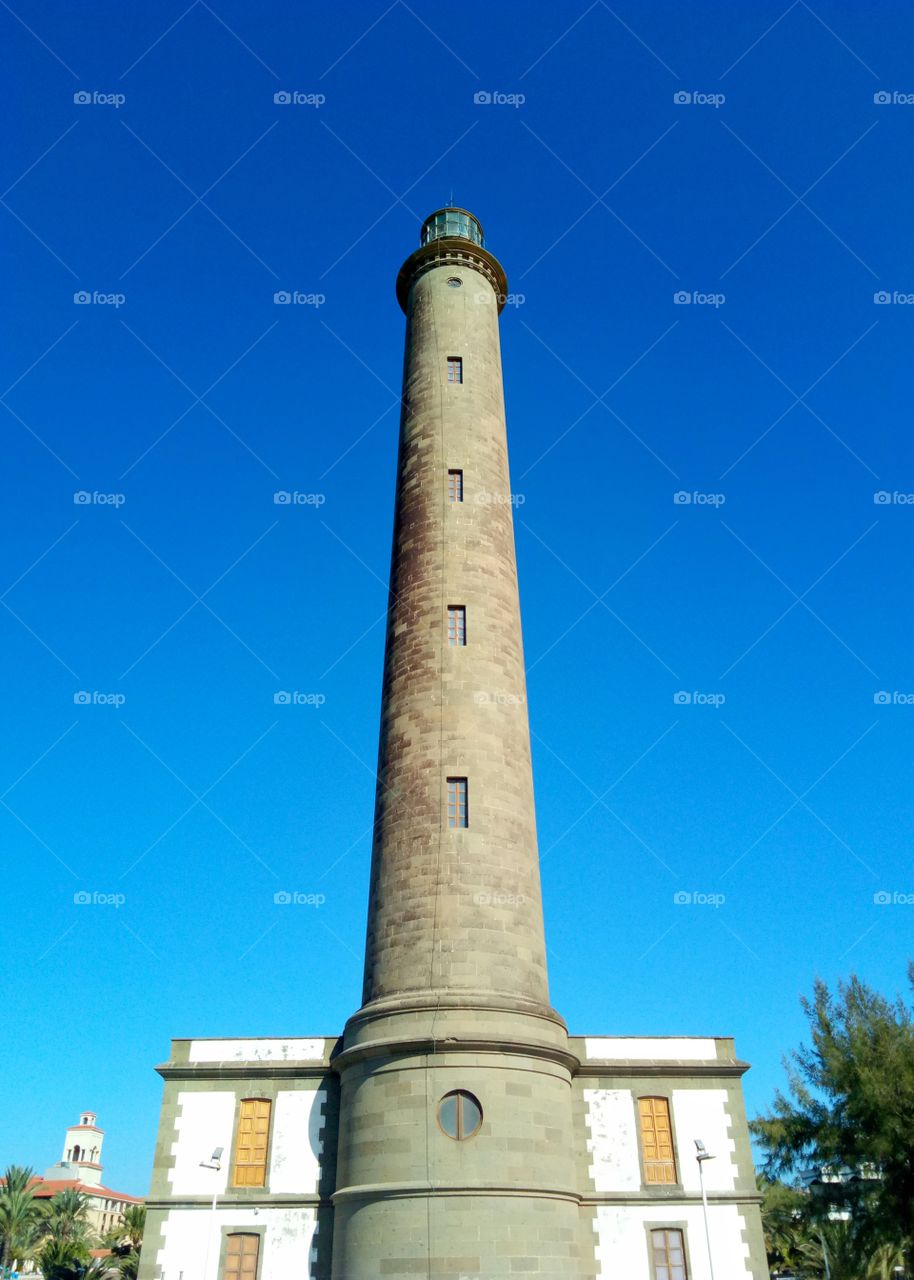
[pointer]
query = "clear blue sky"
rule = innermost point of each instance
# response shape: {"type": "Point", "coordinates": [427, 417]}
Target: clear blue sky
{"type": "Point", "coordinates": [198, 598]}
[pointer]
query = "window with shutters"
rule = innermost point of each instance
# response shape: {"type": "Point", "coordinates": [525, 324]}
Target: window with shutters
{"type": "Point", "coordinates": [657, 1141]}
{"type": "Point", "coordinates": [242, 1253]}
{"type": "Point", "coordinates": [457, 812]}
{"type": "Point", "coordinates": [251, 1143]}
{"type": "Point", "coordinates": [455, 369]}
{"type": "Point", "coordinates": [456, 624]}
{"type": "Point", "coordinates": [668, 1254]}
{"type": "Point", "coordinates": [455, 486]}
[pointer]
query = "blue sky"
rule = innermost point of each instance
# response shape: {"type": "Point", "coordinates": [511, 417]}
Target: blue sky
{"type": "Point", "coordinates": [778, 400]}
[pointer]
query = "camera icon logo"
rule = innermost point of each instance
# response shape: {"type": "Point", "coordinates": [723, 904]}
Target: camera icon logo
{"type": "Point", "coordinates": [882, 698]}
{"type": "Point", "coordinates": [82, 298]}
{"type": "Point", "coordinates": [881, 297]}
{"type": "Point", "coordinates": [682, 498]}
{"type": "Point", "coordinates": [282, 898]}
{"type": "Point", "coordinates": [282, 498]}
{"type": "Point", "coordinates": [283, 98]}
{"type": "Point", "coordinates": [81, 898]}
{"type": "Point", "coordinates": [282, 298]}
{"type": "Point", "coordinates": [482, 97]}
{"type": "Point", "coordinates": [83, 698]}
{"type": "Point", "coordinates": [682, 98]}
{"type": "Point", "coordinates": [81, 97]}
{"type": "Point", "coordinates": [682, 698]}
{"type": "Point", "coordinates": [881, 497]}
{"type": "Point", "coordinates": [282, 698]}
{"type": "Point", "coordinates": [881, 97]}
{"type": "Point", "coordinates": [882, 898]}
{"type": "Point", "coordinates": [682, 298]}
{"type": "Point", "coordinates": [682, 898]}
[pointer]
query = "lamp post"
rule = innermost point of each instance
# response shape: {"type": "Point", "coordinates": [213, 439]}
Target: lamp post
{"type": "Point", "coordinates": [701, 1155]}
{"type": "Point", "coordinates": [214, 1162]}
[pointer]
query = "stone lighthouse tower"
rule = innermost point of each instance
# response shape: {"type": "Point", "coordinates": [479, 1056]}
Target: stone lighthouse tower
{"type": "Point", "coordinates": [455, 1137]}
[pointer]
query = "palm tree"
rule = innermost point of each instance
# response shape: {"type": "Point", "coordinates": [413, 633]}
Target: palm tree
{"type": "Point", "coordinates": [20, 1216]}
{"type": "Point", "coordinates": [125, 1240]}
{"type": "Point", "coordinates": [66, 1217]}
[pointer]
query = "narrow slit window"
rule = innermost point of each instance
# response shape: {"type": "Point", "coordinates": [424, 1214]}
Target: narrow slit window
{"type": "Point", "coordinates": [456, 624]}
{"type": "Point", "coordinates": [455, 486]}
{"type": "Point", "coordinates": [457, 812]}
{"type": "Point", "coordinates": [455, 369]}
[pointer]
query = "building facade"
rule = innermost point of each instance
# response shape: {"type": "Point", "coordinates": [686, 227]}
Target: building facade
{"type": "Point", "coordinates": [80, 1169]}
{"type": "Point", "coordinates": [454, 1130]}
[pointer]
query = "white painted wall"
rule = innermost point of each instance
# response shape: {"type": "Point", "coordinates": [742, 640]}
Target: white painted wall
{"type": "Point", "coordinates": [257, 1050]}
{"type": "Point", "coordinates": [613, 1139]}
{"type": "Point", "coordinates": [298, 1126]}
{"type": "Point", "coordinates": [702, 1113]}
{"type": "Point", "coordinates": [205, 1121]}
{"type": "Point", "coordinates": [187, 1233]}
{"type": "Point", "coordinates": [622, 1242]}
{"type": "Point", "coordinates": [658, 1049]}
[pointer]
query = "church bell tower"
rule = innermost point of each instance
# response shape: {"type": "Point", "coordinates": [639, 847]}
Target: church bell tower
{"type": "Point", "coordinates": [456, 1119]}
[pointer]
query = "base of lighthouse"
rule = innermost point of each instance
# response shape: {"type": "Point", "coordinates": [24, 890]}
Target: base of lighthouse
{"type": "Point", "coordinates": [555, 1185]}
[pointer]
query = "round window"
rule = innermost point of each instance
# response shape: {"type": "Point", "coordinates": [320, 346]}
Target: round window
{"type": "Point", "coordinates": [454, 282]}
{"type": "Point", "coordinates": [460, 1115]}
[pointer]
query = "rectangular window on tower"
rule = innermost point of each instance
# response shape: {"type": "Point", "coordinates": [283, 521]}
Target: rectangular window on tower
{"type": "Point", "coordinates": [668, 1257]}
{"type": "Point", "coordinates": [457, 812]}
{"type": "Point", "coordinates": [456, 624]}
{"type": "Point", "coordinates": [455, 369]}
{"type": "Point", "coordinates": [251, 1143]}
{"type": "Point", "coordinates": [657, 1141]}
{"type": "Point", "coordinates": [455, 486]}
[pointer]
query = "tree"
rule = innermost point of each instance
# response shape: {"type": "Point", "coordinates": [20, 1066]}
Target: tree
{"type": "Point", "coordinates": [20, 1216]}
{"type": "Point", "coordinates": [851, 1106]}
{"type": "Point", "coordinates": [125, 1241]}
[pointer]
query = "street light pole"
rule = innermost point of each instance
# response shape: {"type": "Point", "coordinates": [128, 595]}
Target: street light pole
{"type": "Point", "coordinates": [701, 1155]}
{"type": "Point", "coordinates": [215, 1162]}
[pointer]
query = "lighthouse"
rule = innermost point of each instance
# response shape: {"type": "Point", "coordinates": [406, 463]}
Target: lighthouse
{"type": "Point", "coordinates": [456, 1100]}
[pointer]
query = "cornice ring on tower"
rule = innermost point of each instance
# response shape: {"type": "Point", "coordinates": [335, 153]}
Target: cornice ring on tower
{"type": "Point", "coordinates": [452, 251]}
